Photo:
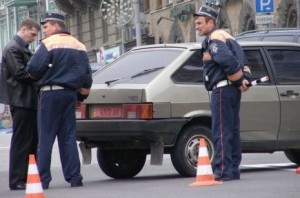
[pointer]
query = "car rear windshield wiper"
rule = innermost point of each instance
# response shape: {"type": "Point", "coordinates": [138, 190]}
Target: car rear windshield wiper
{"type": "Point", "coordinates": [110, 81]}
{"type": "Point", "coordinates": [146, 71]}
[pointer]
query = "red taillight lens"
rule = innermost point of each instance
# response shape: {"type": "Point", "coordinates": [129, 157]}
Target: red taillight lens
{"type": "Point", "coordinates": [81, 111]}
{"type": "Point", "coordinates": [137, 111]}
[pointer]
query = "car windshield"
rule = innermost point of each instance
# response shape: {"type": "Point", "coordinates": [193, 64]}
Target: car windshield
{"type": "Point", "coordinates": [139, 66]}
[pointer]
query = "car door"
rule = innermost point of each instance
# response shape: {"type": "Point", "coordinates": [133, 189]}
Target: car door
{"type": "Point", "coordinates": [260, 107]}
{"type": "Point", "coordinates": [286, 62]}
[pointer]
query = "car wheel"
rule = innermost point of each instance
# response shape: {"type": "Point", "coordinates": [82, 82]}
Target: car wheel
{"type": "Point", "coordinates": [121, 164]}
{"type": "Point", "coordinates": [293, 155]}
{"type": "Point", "coordinates": [184, 155]}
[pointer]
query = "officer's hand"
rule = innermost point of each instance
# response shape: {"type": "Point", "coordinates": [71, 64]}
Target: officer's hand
{"type": "Point", "coordinates": [82, 94]}
{"type": "Point", "coordinates": [244, 87]}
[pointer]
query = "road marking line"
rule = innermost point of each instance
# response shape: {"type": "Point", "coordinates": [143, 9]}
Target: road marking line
{"type": "Point", "coordinates": [267, 165]}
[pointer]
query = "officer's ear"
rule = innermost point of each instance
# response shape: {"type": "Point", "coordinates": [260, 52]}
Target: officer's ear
{"type": "Point", "coordinates": [210, 22]}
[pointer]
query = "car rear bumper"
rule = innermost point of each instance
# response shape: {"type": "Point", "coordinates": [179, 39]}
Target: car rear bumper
{"type": "Point", "coordinates": [129, 130]}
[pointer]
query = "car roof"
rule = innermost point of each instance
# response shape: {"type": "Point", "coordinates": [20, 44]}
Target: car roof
{"type": "Point", "coordinates": [268, 43]}
{"type": "Point", "coordinates": [195, 46]}
{"type": "Point", "coordinates": [170, 45]}
{"type": "Point", "coordinates": [284, 31]}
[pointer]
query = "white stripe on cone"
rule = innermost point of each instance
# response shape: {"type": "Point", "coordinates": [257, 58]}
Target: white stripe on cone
{"type": "Point", "coordinates": [32, 169]}
{"type": "Point", "coordinates": [34, 188]}
{"type": "Point", "coordinates": [204, 170]}
{"type": "Point", "coordinates": [202, 152]}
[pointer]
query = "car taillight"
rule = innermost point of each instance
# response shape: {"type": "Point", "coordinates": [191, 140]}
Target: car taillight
{"type": "Point", "coordinates": [81, 111]}
{"type": "Point", "coordinates": [137, 111]}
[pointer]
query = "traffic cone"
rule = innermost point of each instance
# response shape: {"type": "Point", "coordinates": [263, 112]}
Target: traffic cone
{"type": "Point", "coordinates": [298, 170]}
{"type": "Point", "coordinates": [205, 176]}
{"type": "Point", "coordinates": [33, 187]}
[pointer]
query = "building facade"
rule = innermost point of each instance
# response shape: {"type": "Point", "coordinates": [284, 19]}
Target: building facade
{"type": "Point", "coordinates": [12, 13]}
{"type": "Point", "coordinates": [160, 21]}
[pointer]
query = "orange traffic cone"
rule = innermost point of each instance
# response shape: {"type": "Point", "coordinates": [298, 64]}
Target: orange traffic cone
{"type": "Point", "coordinates": [204, 175]}
{"type": "Point", "coordinates": [33, 187]}
{"type": "Point", "coordinates": [298, 170]}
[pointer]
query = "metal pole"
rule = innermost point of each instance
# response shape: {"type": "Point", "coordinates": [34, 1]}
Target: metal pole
{"type": "Point", "coordinates": [137, 22]}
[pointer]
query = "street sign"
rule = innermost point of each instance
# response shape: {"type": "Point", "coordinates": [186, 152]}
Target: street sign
{"type": "Point", "coordinates": [264, 19]}
{"type": "Point", "coordinates": [264, 6]}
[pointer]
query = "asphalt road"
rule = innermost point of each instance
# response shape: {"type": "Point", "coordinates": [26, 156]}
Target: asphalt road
{"type": "Point", "coordinates": [263, 176]}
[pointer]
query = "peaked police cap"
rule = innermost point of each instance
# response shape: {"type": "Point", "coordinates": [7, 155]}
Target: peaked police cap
{"type": "Point", "coordinates": [208, 11]}
{"type": "Point", "coordinates": [52, 16]}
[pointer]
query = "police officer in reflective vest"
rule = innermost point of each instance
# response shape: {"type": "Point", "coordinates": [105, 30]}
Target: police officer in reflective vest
{"type": "Point", "coordinates": [61, 67]}
{"type": "Point", "coordinates": [226, 75]}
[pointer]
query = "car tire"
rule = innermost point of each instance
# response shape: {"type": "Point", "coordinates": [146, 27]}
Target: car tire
{"type": "Point", "coordinates": [293, 155]}
{"type": "Point", "coordinates": [184, 155]}
{"type": "Point", "coordinates": [120, 164]}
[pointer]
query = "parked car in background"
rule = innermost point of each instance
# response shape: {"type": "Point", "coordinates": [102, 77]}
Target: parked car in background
{"type": "Point", "coordinates": [152, 100]}
{"type": "Point", "coordinates": [273, 34]}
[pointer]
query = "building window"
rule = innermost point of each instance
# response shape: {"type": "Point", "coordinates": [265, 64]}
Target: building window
{"type": "Point", "coordinates": [2, 2]}
{"type": "Point", "coordinates": [22, 13]}
{"type": "Point", "coordinates": [158, 4]}
{"type": "Point", "coordinates": [12, 22]}
{"type": "Point", "coordinates": [104, 31]}
{"type": "Point", "coordinates": [146, 6]}
{"type": "Point", "coordinates": [169, 2]}
{"type": "Point", "coordinates": [79, 25]}
{"type": "Point", "coordinates": [119, 32]}
{"type": "Point", "coordinates": [3, 31]}
{"type": "Point", "coordinates": [67, 22]}
{"type": "Point", "coordinates": [92, 26]}
{"type": "Point", "coordinates": [51, 5]}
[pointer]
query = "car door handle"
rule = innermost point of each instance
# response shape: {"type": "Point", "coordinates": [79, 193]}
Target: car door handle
{"type": "Point", "coordinates": [289, 93]}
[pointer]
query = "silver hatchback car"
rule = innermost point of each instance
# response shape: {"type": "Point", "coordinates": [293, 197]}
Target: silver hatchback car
{"type": "Point", "coordinates": [152, 101]}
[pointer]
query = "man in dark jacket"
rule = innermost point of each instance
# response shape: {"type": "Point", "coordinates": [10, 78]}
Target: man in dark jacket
{"type": "Point", "coordinates": [19, 91]}
{"type": "Point", "coordinates": [61, 66]}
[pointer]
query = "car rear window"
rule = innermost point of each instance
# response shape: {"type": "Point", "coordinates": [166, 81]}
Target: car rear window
{"type": "Point", "coordinates": [126, 68]}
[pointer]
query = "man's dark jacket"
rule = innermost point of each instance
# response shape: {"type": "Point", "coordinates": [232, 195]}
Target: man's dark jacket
{"type": "Point", "coordinates": [16, 86]}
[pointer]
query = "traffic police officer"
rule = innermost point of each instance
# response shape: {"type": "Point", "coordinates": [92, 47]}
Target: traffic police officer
{"type": "Point", "coordinates": [61, 66]}
{"type": "Point", "coordinates": [226, 75]}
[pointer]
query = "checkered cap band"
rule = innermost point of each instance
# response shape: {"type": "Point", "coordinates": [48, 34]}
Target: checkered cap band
{"type": "Point", "coordinates": [207, 11]}
{"type": "Point", "coordinates": [51, 16]}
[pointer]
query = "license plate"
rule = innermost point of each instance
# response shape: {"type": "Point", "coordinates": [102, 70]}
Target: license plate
{"type": "Point", "coordinates": [107, 112]}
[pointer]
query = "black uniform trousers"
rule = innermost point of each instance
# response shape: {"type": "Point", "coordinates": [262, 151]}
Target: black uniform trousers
{"type": "Point", "coordinates": [226, 131]}
{"type": "Point", "coordinates": [24, 141]}
{"type": "Point", "coordinates": [56, 118]}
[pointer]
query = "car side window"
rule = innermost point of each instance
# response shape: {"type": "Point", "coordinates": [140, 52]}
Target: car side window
{"type": "Point", "coordinates": [191, 70]}
{"type": "Point", "coordinates": [255, 60]}
{"type": "Point", "coordinates": [286, 65]}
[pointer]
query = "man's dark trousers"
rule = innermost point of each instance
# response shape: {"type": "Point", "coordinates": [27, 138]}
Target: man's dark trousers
{"type": "Point", "coordinates": [56, 118]}
{"type": "Point", "coordinates": [225, 131]}
{"type": "Point", "coordinates": [24, 141]}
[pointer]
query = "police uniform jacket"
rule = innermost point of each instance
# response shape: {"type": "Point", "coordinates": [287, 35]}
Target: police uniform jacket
{"type": "Point", "coordinates": [17, 87]}
{"type": "Point", "coordinates": [223, 59]}
{"type": "Point", "coordinates": [61, 60]}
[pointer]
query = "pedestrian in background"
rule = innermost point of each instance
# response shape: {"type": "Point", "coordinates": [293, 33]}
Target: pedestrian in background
{"type": "Point", "coordinates": [19, 91]}
{"type": "Point", "coordinates": [61, 66]}
{"type": "Point", "coordinates": [226, 75]}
